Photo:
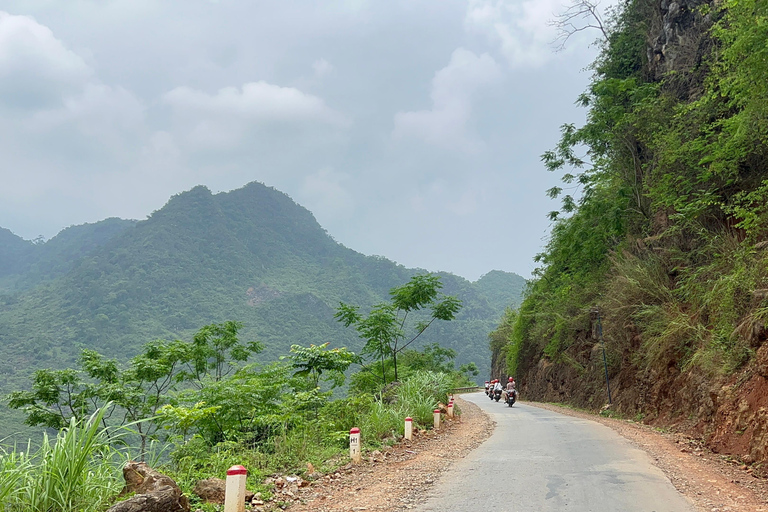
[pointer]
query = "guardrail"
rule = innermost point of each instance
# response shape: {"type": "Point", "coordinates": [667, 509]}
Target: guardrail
{"type": "Point", "coordinates": [471, 389]}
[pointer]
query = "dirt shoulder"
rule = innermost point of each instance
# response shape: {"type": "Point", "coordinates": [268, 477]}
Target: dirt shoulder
{"type": "Point", "coordinates": [397, 478]}
{"type": "Point", "coordinates": [713, 483]}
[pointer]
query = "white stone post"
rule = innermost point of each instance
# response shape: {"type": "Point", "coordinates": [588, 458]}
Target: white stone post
{"type": "Point", "coordinates": [450, 408]}
{"type": "Point", "coordinates": [354, 445]}
{"type": "Point", "coordinates": [408, 428]}
{"type": "Point", "coordinates": [437, 419]}
{"type": "Point", "coordinates": [234, 492]}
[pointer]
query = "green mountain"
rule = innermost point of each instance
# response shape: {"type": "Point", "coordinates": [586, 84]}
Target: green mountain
{"type": "Point", "coordinates": [23, 264]}
{"type": "Point", "coordinates": [251, 255]}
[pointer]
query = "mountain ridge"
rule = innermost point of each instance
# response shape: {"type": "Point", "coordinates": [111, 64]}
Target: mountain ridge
{"type": "Point", "coordinates": [251, 254]}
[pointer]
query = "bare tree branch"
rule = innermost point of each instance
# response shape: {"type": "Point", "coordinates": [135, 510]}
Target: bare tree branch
{"type": "Point", "coordinates": [580, 16]}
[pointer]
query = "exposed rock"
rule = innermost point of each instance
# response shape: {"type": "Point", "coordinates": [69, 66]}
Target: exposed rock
{"type": "Point", "coordinates": [211, 490]}
{"type": "Point", "coordinates": [155, 492]}
{"type": "Point", "coordinates": [679, 35]}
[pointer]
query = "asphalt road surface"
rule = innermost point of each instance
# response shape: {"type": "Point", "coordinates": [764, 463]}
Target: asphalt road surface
{"type": "Point", "coordinates": [538, 460]}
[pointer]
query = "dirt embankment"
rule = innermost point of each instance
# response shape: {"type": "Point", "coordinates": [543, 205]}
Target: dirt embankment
{"type": "Point", "coordinates": [728, 416]}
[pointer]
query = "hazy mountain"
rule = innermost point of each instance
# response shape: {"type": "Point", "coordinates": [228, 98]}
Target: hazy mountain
{"type": "Point", "coordinates": [251, 255]}
{"type": "Point", "coordinates": [24, 264]}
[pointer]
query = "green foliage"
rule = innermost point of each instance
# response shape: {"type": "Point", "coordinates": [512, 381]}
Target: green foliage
{"type": "Point", "coordinates": [77, 472]}
{"type": "Point", "coordinates": [246, 404]}
{"type": "Point", "coordinates": [664, 203]}
{"type": "Point", "coordinates": [138, 392]}
{"type": "Point", "coordinates": [383, 329]}
{"type": "Point", "coordinates": [215, 352]}
{"type": "Point", "coordinates": [251, 254]}
{"type": "Point", "coordinates": [311, 362]}
{"type": "Point", "coordinates": [433, 358]}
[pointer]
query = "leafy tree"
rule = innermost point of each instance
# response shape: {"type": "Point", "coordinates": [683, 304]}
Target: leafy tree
{"type": "Point", "coordinates": [138, 391]}
{"type": "Point", "coordinates": [242, 404]}
{"type": "Point", "coordinates": [311, 362]}
{"type": "Point", "coordinates": [58, 396]}
{"type": "Point", "coordinates": [215, 352]}
{"type": "Point", "coordinates": [384, 328]}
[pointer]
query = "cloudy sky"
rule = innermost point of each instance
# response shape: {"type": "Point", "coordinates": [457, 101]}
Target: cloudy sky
{"type": "Point", "coordinates": [412, 129]}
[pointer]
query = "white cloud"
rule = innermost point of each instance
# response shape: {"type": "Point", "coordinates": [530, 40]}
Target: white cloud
{"type": "Point", "coordinates": [221, 120]}
{"type": "Point", "coordinates": [255, 101]}
{"type": "Point", "coordinates": [521, 30]}
{"type": "Point", "coordinates": [453, 89]}
{"type": "Point", "coordinates": [36, 70]}
{"type": "Point", "coordinates": [54, 108]}
{"type": "Point", "coordinates": [97, 110]}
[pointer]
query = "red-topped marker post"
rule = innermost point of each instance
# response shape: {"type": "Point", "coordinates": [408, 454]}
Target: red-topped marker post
{"type": "Point", "coordinates": [408, 428]}
{"type": "Point", "coordinates": [355, 452]}
{"type": "Point", "coordinates": [450, 408]}
{"type": "Point", "coordinates": [437, 418]}
{"type": "Point", "coordinates": [234, 492]}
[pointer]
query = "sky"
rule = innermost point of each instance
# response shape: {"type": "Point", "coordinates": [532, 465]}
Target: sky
{"type": "Point", "coordinates": [411, 129]}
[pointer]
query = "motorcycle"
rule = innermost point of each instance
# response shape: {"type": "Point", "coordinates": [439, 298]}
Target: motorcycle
{"type": "Point", "coordinates": [496, 395]}
{"type": "Point", "coordinates": [511, 398]}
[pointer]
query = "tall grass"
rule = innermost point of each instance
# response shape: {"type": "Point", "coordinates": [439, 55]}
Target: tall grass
{"type": "Point", "coordinates": [78, 472]}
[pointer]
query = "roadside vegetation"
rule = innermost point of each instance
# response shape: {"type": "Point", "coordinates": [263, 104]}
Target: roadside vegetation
{"type": "Point", "coordinates": [192, 409]}
{"type": "Point", "coordinates": [663, 227]}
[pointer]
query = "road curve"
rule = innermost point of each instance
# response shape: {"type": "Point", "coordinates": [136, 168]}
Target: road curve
{"type": "Point", "coordinates": [538, 460]}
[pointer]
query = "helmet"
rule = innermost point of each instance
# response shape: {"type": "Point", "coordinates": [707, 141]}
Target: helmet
{"type": "Point", "coordinates": [511, 379]}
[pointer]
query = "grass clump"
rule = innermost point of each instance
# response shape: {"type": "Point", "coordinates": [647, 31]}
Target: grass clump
{"type": "Point", "coordinates": [77, 472]}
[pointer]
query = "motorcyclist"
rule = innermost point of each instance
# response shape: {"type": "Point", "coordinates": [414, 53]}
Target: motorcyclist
{"type": "Point", "coordinates": [487, 386]}
{"type": "Point", "coordinates": [497, 386]}
{"type": "Point", "coordinates": [512, 387]}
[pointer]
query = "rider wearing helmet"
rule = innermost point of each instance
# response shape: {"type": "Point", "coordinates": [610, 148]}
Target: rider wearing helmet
{"type": "Point", "coordinates": [512, 387]}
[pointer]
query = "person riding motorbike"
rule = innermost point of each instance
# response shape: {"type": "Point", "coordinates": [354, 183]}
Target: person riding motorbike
{"type": "Point", "coordinates": [497, 388]}
{"type": "Point", "coordinates": [511, 387]}
{"type": "Point", "coordinates": [487, 386]}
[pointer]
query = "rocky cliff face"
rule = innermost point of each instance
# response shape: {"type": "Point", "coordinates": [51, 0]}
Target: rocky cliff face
{"type": "Point", "coordinates": [678, 35]}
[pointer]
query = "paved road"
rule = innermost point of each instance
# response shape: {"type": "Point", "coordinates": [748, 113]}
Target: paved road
{"type": "Point", "coordinates": [559, 463]}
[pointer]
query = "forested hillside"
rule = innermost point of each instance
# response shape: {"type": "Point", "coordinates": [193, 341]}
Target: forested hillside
{"type": "Point", "coordinates": [662, 239]}
{"type": "Point", "coordinates": [250, 255]}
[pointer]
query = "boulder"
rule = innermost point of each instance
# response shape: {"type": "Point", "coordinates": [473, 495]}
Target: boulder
{"type": "Point", "coordinates": [154, 491]}
{"type": "Point", "coordinates": [213, 490]}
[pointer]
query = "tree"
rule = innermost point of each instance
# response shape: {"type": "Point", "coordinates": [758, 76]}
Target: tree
{"type": "Point", "coordinates": [138, 391]}
{"type": "Point", "coordinates": [579, 16]}
{"type": "Point", "coordinates": [215, 352]}
{"type": "Point", "coordinates": [384, 328]}
{"type": "Point", "coordinates": [58, 396]}
{"type": "Point", "coordinates": [245, 403]}
{"type": "Point", "coordinates": [311, 362]}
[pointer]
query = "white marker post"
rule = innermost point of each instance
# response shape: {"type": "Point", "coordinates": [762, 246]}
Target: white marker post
{"type": "Point", "coordinates": [234, 492]}
{"type": "Point", "coordinates": [437, 419]}
{"type": "Point", "coordinates": [408, 428]}
{"type": "Point", "coordinates": [450, 408]}
{"type": "Point", "coordinates": [354, 445]}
